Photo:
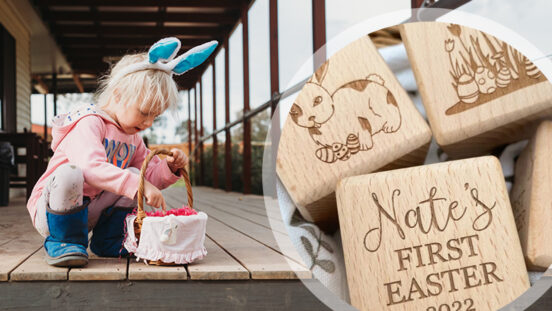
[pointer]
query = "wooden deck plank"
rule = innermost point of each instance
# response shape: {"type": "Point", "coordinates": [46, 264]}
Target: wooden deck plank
{"type": "Point", "coordinates": [244, 208]}
{"type": "Point", "coordinates": [13, 253]}
{"type": "Point", "coordinates": [165, 295]}
{"type": "Point", "coordinates": [261, 261]}
{"type": "Point", "coordinates": [217, 265]}
{"type": "Point", "coordinates": [18, 238]}
{"type": "Point", "coordinates": [254, 207]}
{"type": "Point", "coordinates": [100, 269]}
{"type": "Point", "coordinates": [255, 231]}
{"type": "Point", "coordinates": [233, 255]}
{"type": "Point", "coordinates": [141, 271]}
{"type": "Point", "coordinates": [248, 199]}
{"type": "Point", "coordinates": [238, 212]}
{"type": "Point", "coordinates": [36, 269]}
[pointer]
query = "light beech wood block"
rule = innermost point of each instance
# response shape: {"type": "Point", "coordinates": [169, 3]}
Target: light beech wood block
{"type": "Point", "coordinates": [478, 91]}
{"type": "Point", "coordinates": [532, 199]}
{"type": "Point", "coordinates": [424, 237]}
{"type": "Point", "coordinates": [352, 117]}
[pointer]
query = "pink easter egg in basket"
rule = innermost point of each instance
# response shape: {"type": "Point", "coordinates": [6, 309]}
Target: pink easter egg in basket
{"type": "Point", "coordinates": [184, 211]}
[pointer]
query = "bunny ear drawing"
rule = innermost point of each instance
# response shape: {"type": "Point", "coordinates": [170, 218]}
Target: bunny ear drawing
{"type": "Point", "coordinates": [320, 74]}
{"type": "Point", "coordinates": [164, 49]}
{"type": "Point", "coordinates": [193, 58]}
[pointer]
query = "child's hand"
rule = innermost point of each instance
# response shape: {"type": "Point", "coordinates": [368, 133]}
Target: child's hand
{"type": "Point", "coordinates": [153, 195]}
{"type": "Point", "coordinates": [178, 160]}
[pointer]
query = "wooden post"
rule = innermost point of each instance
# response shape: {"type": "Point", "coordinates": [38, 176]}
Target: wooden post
{"type": "Point", "coordinates": [415, 4]}
{"type": "Point", "coordinates": [319, 32]}
{"type": "Point", "coordinates": [274, 81]}
{"type": "Point", "coordinates": [195, 129]}
{"type": "Point", "coordinates": [215, 143]}
{"type": "Point", "coordinates": [54, 87]}
{"type": "Point", "coordinates": [274, 73]}
{"type": "Point", "coordinates": [246, 121]}
{"type": "Point", "coordinates": [45, 116]}
{"type": "Point", "coordinates": [228, 142]}
{"type": "Point", "coordinates": [201, 163]}
{"type": "Point", "coordinates": [189, 126]}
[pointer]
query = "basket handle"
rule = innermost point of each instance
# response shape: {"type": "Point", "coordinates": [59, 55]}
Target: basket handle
{"type": "Point", "coordinates": [140, 213]}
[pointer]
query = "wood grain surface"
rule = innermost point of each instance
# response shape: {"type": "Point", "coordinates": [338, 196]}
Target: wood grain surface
{"type": "Point", "coordinates": [240, 246]}
{"type": "Point", "coordinates": [436, 237]}
{"type": "Point", "coordinates": [531, 198]}
{"type": "Point", "coordinates": [352, 117]}
{"type": "Point", "coordinates": [478, 91]}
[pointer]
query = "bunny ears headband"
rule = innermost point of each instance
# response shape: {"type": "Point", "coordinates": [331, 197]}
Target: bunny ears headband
{"type": "Point", "coordinates": [161, 57]}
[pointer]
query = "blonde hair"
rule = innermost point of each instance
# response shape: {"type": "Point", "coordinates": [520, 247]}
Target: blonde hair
{"type": "Point", "coordinates": [154, 89]}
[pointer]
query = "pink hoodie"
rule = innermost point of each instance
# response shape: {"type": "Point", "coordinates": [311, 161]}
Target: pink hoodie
{"type": "Point", "coordinates": [90, 139]}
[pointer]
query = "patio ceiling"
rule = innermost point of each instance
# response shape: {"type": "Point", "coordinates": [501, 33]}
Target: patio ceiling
{"type": "Point", "coordinates": [93, 34]}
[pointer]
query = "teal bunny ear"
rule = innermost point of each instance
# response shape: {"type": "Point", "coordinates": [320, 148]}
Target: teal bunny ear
{"type": "Point", "coordinates": [193, 58]}
{"type": "Point", "coordinates": [164, 49]}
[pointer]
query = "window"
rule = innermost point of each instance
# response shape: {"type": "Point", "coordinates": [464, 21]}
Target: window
{"type": "Point", "coordinates": [7, 82]}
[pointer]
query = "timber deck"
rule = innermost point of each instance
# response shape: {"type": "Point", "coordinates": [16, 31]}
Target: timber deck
{"type": "Point", "coordinates": [245, 266]}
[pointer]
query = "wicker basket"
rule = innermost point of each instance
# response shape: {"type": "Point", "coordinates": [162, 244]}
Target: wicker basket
{"type": "Point", "coordinates": [169, 239]}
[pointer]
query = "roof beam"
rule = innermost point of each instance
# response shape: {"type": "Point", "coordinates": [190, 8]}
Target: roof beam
{"type": "Point", "coordinates": [40, 87]}
{"type": "Point", "coordinates": [122, 41]}
{"type": "Point", "coordinates": [153, 31]}
{"type": "Point", "coordinates": [215, 18]}
{"type": "Point", "coordinates": [96, 51]}
{"type": "Point", "coordinates": [171, 3]}
{"type": "Point", "coordinates": [78, 82]}
{"type": "Point", "coordinates": [75, 53]}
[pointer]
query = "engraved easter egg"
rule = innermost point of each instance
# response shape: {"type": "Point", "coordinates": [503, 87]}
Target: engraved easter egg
{"type": "Point", "coordinates": [353, 143]}
{"type": "Point", "coordinates": [341, 151]}
{"type": "Point", "coordinates": [531, 69]}
{"type": "Point", "coordinates": [504, 77]}
{"type": "Point", "coordinates": [326, 154]}
{"type": "Point", "coordinates": [486, 80]}
{"type": "Point", "coordinates": [468, 92]}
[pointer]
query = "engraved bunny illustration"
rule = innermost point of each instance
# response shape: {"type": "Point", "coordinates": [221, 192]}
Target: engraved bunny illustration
{"type": "Point", "coordinates": [343, 122]}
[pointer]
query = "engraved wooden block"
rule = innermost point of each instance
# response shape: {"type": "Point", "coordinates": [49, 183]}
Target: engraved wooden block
{"type": "Point", "coordinates": [478, 91]}
{"type": "Point", "coordinates": [352, 117]}
{"type": "Point", "coordinates": [532, 198]}
{"type": "Point", "coordinates": [424, 237]}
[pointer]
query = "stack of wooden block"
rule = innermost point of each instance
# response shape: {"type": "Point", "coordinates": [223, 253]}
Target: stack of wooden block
{"type": "Point", "coordinates": [434, 237]}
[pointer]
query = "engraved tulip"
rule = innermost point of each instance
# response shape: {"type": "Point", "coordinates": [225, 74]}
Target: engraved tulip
{"type": "Point", "coordinates": [455, 29]}
{"type": "Point", "coordinates": [449, 45]}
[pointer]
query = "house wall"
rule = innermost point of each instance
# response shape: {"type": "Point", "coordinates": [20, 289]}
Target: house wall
{"type": "Point", "coordinates": [12, 21]}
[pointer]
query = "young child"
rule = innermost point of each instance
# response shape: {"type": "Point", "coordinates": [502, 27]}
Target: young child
{"type": "Point", "coordinates": [92, 179]}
